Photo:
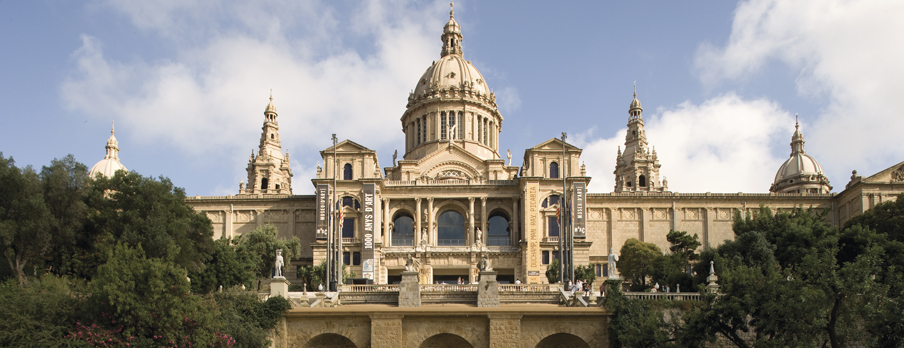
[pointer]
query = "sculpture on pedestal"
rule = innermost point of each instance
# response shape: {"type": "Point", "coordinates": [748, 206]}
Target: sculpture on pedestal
{"type": "Point", "coordinates": [484, 264]}
{"type": "Point", "coordinates": [279, 264]}
{"type": "Point", "coordinates": [423, 243]}
{"type": "Point", "coordinates": [612, 259]}
{"type": "Point", "coordinates": [412, 264]}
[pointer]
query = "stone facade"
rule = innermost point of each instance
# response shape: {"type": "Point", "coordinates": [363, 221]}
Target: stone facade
{"type": "Point", "coordinates": [453, 198]}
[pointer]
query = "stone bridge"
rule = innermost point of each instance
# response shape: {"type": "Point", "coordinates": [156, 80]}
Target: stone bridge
{"type": "Point", "coordinates": [445, 325]}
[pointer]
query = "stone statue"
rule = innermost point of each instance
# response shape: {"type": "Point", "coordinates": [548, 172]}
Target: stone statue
{"type": "Point", "coordinates": [612, 259]}
{"type": "Point", "coordinates": [279, 264]}
{"type": "Point", "coordinates": [394, 156]}
{"type": "Point", "coordinates": [478, 237]}
{"type": "Point", "coordinates": [712, 270]}
{"type": "Point", "coordinates": [508, 153]}
{"type": "Point", "coordinates": [412, 264]}
{"type": "Point", "coordinates": [320, 287]}
{"type": "Point", "coordinates": [242, 186]}
{"type": "Point", "coordinates": [423, 242]}
{"type": "Point", "coordinates": [484, 264]}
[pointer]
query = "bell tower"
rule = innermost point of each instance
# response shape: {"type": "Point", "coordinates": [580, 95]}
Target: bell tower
{"type": "Point", "coordinates": [637, 169]}
{"type": "Point", "coordinates": [269, 171]}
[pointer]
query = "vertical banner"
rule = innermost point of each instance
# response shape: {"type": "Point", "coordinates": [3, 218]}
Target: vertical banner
{"type": "Point", "coordinates": [578, 210]}
{"type": "Point", "coordinates": [533, 231]}
{"type": "Point", "coordinates": [367, 254]}
{"type": "Point", "coordinates": [323, 221]}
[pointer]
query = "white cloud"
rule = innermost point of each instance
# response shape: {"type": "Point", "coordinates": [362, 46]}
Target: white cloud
{"type": "Point", "coordinates": [846, 51]}
{"type": "Point", "coordinates": [721, 145]}
{"type": "Point", "coordinates": [208, 99]}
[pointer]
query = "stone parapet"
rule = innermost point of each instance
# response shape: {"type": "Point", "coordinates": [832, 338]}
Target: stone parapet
{"type": "Point", "coordinates": [409, 290]}
{"type": "Point", "coordinates": [488, 290]}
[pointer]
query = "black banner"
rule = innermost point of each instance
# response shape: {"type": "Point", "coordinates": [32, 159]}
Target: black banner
{"type": "Point", "coordinates": [323, 219]}
{"type": "Point", "coordinates": [578, 207]}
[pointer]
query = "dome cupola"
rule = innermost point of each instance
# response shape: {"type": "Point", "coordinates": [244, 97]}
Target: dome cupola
{"type": "Point", "coordinates": [800, 173]}
{"type": "Point", "coordinates": [110, 164]}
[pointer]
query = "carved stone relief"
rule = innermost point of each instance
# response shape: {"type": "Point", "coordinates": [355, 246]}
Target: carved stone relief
{"type": "Point", "coordinates": [243, 216]}
{"type": "Point", "coordinates": [215, 216]}
{"type": "Point", "coordinates": [898, 175]}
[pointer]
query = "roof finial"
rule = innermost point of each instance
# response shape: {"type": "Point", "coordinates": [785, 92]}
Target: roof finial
{"type": "Point", "coordinates": [271, 94]}
{"type": "Point", "coordinates": [796, 124]}
{"type": "Point", "coordinates": [451, 10]}
{"type": "Point", "coordinates": [113, 127]}
{"type": "Point", "coordinates": [635, 89]}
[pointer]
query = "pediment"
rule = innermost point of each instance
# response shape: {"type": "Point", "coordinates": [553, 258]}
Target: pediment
{"type": "Point", "coordinates": [554, 144]}
{"type": "Point", "coordinates": [347, 146]}
{"type": "Point", "coordinates": [894, 173]}
{"type": "Point", "coordinates": [451, 163]}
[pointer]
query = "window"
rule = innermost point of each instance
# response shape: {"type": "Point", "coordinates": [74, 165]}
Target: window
{"type": "Point", "coordinates": [264, 183]}
{"type": "Point", "coordinates": [642, 182]}
{"type": "Point", "coordinates": [554, 170]}
{"type": "Point", "coordinates": [485, 131]}
{"type": "Point", "coordinates": [346, 258]}
{"type": "Point", "coordinates": [276, 186]}
{"type": "Point", "coordinates": [498, 230]}
{"type": "Point", "coordinates": [424, 124]}
{"type": "Point", "coordinates": [348, 228]}
{"type": "Point", "coordinates": [461, 125]}
{"type": "Point", "coordinates": [552, 226]}
{"type": "Point", "coordinates": [545, 258]}
{"type": "Point", "coordinates": [451, 229]}
{"type": "Point", "coordinates": [351, 202]}
{"type": "Point", "coordinates": [479, 130]}
{"type": "Point", "coordinates": [403, 230]}
{"type": "Point", "coordinates": [442, 126]}
{"type": "Point", "coordinates": [452, 128]}
{"type": "Point", "coordinates": [347, 172]}
{"type": "Point", "coordinates": [551, 201]}
{"type": "Point", "coordinates": [356, 258]}
{"type": "Point", "coordinates": [418, 141]}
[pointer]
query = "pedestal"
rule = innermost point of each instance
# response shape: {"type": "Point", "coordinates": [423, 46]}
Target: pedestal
{"type": "Point", "coordinates": [488, 290]}
{"type": "Point", "coordinates": [279, 286]}
{"type": "Point", "coordinates": [409, 290]}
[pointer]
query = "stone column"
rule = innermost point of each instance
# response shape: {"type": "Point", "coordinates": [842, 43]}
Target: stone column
{"type": "Point", "coordinates": [230, 215]}
{"type": "Point", "coordinates": [487, 290]}
{"type": "Point", "coordinates": [470, 235]}
{"type": "Point", "coordinates": [387, 234]}
{"type": "Point", "coordinates": [417, 222]}
{"type": "Point", "coordinates": [430, 230]}
{"type": "Point", "coordinates": [708, 226]}
{"type": "Point", "coordinates": [513, 225]}
{"type": "Point", "coordinates": [505, 330]}
{"type": "Point", "coordinates": [409, 290]}
{"type": "Point", "coordinates": [386, 330]}
{"type": "Point", "coordinates": [483, 220]}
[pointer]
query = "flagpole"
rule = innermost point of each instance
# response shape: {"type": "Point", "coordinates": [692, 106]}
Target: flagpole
{"type": "Point", "coordinates": [334, 254]}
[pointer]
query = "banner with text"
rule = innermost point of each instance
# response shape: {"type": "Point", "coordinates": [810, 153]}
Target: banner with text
{"type": "Point", "coordinates": [578, 210]}
{"type": "Point", "coordinates": [532, 213]}
{"type": "Point", "coordinates": [367, 242]}
{"type": "Point", "coordinates": [323, 219]}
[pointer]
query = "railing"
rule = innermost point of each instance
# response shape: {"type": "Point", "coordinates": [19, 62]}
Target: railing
{"type": "Point", "coordinates": [450, 242]}
{"type": "Point", "coordinates": [499, 241]}
{"type": "Point", "coordinates": [672, 296]}
{"type": "Point", "coordinates": [528, 287]}
{"type": "Point", "coordinates": [551, 239]}
{"type": "Point", "coordinates": [349, 240]}
{"type": "Point", "coordinates": [402, 241]}
{"type": "Point", "coordinates": [369, 287]}
{"type": "Point", "coordinates": [440, 182]}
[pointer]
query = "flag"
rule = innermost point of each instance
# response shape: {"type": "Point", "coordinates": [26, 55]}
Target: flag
{"type": "Point", "coordinates": [558, 213]}
{"type": "Point", "coordinates": [341, 220]}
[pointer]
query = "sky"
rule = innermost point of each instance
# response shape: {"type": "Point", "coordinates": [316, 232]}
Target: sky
{"type": "Point", "coordinates": [187, 81]}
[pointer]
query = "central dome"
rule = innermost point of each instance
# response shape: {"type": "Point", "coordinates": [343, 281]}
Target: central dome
{"type": "Point", "coordinates": [451, 72]}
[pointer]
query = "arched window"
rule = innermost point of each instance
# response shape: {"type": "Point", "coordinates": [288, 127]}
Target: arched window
{"type": "Point", "coordinates": [498, 230]}
{"type": "Point", "coordinates": [347, 172]}
{"type": "Point", "coordinates": [642, 181]}
{"type": "Point", "coordinates": [403, 230]}
{"type": "Point", "coordinates": [551, 201]}
{"type": "Point", "coordinates": [451, 227]}
{"type": "Point", "coordinates": [351, 202]}
{"type": "Point", "coordinates": [264, 183]}
{"type": "Point", "coordinates": [554, 170]}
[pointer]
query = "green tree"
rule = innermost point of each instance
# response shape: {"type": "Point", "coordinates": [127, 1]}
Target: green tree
{"type": "Point", "coordinates": [637, 262]}
{"type": "Point", "coordinates": [552, 271]}
{"type": "Point", "coordinates": [135, 210]}
{"type": "Point", "coordinates": [39, 314]}
{"type": "Point", "coordinates": [25, 221]}
{"type": "Point", "coordinates": [227, 268]}
{"type": "Point", "coordinates": [65, 185]}
{"type": "Point", "coordinates": [313, 275]}
{"type": "Point", "coordinates": [259, 246]}
{"type": "Point", "coordinates": [635, 323]}
{"type": "Point", "coordinates": [246, 318]}
{"type": "Point", "coordinates": [586, 273]}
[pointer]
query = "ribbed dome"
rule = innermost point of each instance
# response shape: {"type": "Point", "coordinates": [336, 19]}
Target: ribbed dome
{"type": "Point", "coordinates": [799, 164]}
{"type": "Point", "coordinates": [800, 173]}
{"type": "Point", "coordinates": [451, 71]}
{"type": "Point", "coordinates": [110, 164]}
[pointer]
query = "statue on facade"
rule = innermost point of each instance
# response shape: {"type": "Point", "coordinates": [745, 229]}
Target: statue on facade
{"type": "Point", "coordinates": [423, 243]}
{"type": "Point", "coordinates": [478, 237]}
{"type": "Point", "coordinates": [484, 264]}
{"type": "Point", "coordinates": [394, 156]}
{"type": "Point", "coordinates": [279, 264]}
{"type": "Point", "coordinates": [242, 186]}
{"type": "Point", "coordinates": [508, 153]}
{"type": "Point", "coordinates": [612, 259]}
{"type": "Point", "coordinates": [412, 264]}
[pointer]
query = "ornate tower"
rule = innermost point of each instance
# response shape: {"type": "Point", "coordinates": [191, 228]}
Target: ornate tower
{"type": "Point", "coordinates": [110, 164]}
{"type": "Point", "coordinates": [800, 173]}
{"type": "Point", "coordinates": [637, 169]}
{"type": "Point", "coordinates": [452, 105]}
{"type": "Point", "coordinates": [269, 172]}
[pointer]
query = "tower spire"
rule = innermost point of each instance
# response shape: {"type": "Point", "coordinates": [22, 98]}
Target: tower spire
{"type": "Point", "coordinates": [451, 35]}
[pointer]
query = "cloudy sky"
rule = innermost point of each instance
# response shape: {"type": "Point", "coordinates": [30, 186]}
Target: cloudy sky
{"type": "Point", "coordinates": [187, 82]}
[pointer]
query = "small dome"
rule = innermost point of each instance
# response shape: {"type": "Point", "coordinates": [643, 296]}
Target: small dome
{"type": "Point", "coordinates": [451, 71]}
{"type": "Point", "coordinates": [798, 165]}
{"type": "Point", "coordinates": [270, 107]}
{"type": "Point", "coordinates": [800, 173]}
{"type": "Point", "coordinates": [110, 164]}
{"type": "Point", "coordinates": [635, 104]}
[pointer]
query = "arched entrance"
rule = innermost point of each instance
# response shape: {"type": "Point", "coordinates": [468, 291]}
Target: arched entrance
{"type": "Point", "coordinates": [329, 340]}
{"type": "Point", "coordinates": [446, 340]}
{"type": "Point", "coordinates": [562, 340]}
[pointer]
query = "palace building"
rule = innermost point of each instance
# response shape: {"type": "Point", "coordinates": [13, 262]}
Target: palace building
{"type": "Point", "coordinates": [452, 197]}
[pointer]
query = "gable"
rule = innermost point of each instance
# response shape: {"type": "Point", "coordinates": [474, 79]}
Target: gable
{"type": "Point", "coordinates": [894, 173]}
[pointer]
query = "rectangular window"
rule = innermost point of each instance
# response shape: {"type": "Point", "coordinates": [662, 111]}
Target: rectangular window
{"type": "Point", "coordinates": [479, 130]}
{"type": "Point", "coordinates": [356, 258]}
{"type": "Point", "coordinates": [545, 258]}
{"type": "Point", "coordinates": [418, 132]}
{"type": "Point", "coordinates": [599, 270]}
{"type": "Point", "coordinates": [485, 124]}
{"type": "Point", "coordinates": [552, 226]}
{"type": "Point", "coordinates": [442, 126]}
{"type": "Point", "coordinates": [348, 228]}
{"type": "Point", "coordinates": [461, 125]}
{"type": "Point", "coordinates": [605, 267]}
{"type": "Point", "coordinates": [346, 257]}
{"type": "Point", "coordinates": [424, 139]}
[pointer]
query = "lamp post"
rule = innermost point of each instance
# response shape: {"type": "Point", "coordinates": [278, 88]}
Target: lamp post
{"type": "Point", "coordinates": [336, 238]}
{"type": "Point", "coordinates": [562, 212]}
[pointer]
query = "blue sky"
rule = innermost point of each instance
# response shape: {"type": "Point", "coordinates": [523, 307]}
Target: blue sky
{"type": "Point", "coordinates": [720, 82]}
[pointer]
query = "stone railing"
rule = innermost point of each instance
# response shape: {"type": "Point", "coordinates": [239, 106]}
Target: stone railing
{"type": "Point", "coordinates": [448, 287]}
{"type": "Point", "coordinates": [448, 182]}
{"type": "Point", "coordinates": [528, 293]}
{"type": "Point", "coordinates": [369, 294]}
{"type": "Point", "coordinates": [528, 288]}
{"type": "Point", "coordinates": [672, 296]}
{"type": "Point", "coordinates": [368, 287]}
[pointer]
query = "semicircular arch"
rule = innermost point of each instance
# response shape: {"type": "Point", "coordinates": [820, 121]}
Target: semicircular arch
{"type": "Point", "coordinates": [330, 340]}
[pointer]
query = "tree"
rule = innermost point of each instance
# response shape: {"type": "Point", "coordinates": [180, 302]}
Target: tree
{"type": "Point", "coordinates": [226, 268]}
{"type": "Point", "coordinates": [65, 185]}
{"type": "Point", "coordinates": [637, 262]}
{"type": "Point", "coordinates": [552, 271]}
{"type": "Point", "coordinates": [135, 210]}
{"type": "Point", "coordinates": [586, 273]}
{"type": "Point", "coordinates": [25, 221]}
{"type": "Point", "coordinates": [635, 323]}
{"type": "Point", "coordinates": [39, 314]}
{"type": "Point", "coordinates": [313, 275]}
{"type": "Point", "coordinates": [260, 245]}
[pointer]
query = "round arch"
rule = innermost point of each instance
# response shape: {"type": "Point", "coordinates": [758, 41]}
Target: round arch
{"type": "Point", "coordinates": [562, 340]}
{"type": "Point", "coordinates": [329, 340]}
{"type": "Point", "coordinates": [450, 228]}
{"type": "Point", "coordinates": [499, 228]}
{"type": "Point", "coordinates": [402, 233]}
{"type": "Point", "coordinates": [446, 340]}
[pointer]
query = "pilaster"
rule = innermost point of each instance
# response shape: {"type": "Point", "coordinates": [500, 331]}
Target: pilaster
{"type": "Point", "coordinates": [386, 330]}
